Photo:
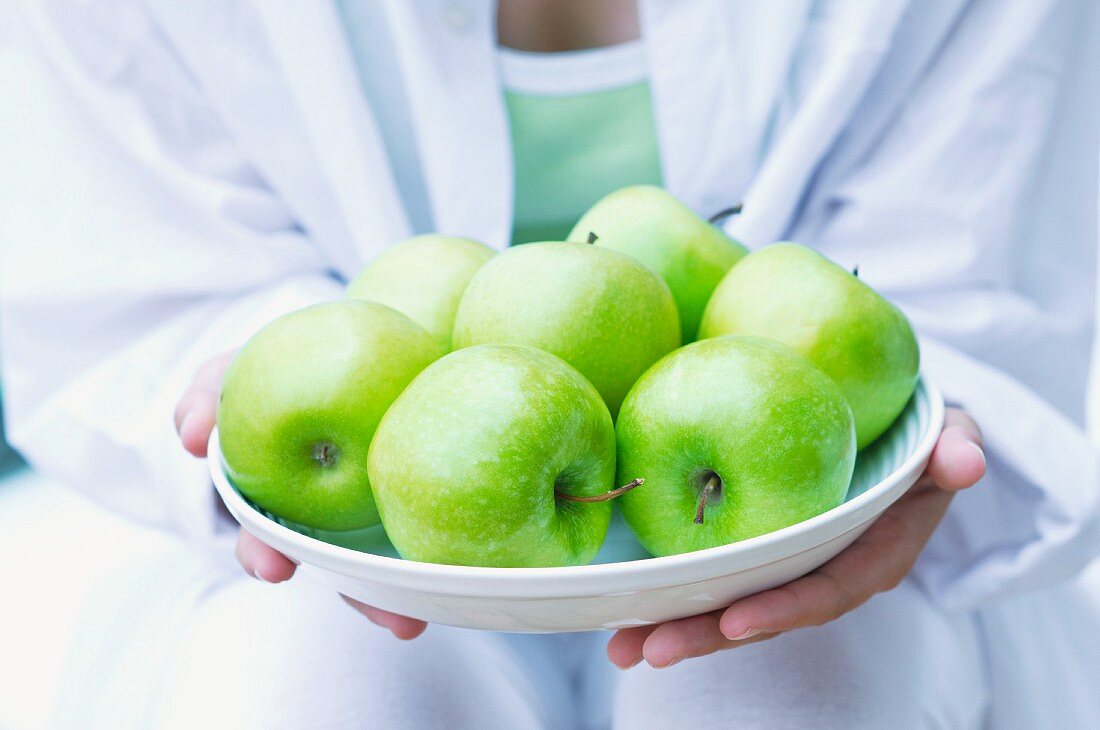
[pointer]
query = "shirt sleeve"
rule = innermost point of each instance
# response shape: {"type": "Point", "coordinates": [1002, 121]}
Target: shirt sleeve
{"type": "Point", "coordinates": [934, 214]}
{"type": "Point", "coordinates": [138, 241]}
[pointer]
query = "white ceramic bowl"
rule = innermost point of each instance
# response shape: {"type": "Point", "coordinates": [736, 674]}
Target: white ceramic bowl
{"type": "Point", "coordinates": [624, 586]}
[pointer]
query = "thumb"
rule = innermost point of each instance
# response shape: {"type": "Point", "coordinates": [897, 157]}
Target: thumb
{"type": "Point", "coordinates": [958, 460]}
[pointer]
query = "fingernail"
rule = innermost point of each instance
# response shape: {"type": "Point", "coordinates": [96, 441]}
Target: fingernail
{"type": "Point", "coordinates": [631, 665]}
{"type": "Point", "coordinates": [672, 663]}
{"type": "Point", "coordinates": [981, 452]}
{"type": "Point", "coordinates": [260, 577]}
{"type": "Point", "coordinates": [746, 634]}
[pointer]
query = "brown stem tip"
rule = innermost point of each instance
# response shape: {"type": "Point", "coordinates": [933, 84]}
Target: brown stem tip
{"type": "Point", "coordinates": [711, 485]}
{"type": "Point", "coordinates": [724, 214]}
{"type": "Point", "coordinates": [601, 497]}
{"type": "Point", "coordinates": [592, 237]}
{"type": "Point", "coordinates": [325, 454]}
{"type": "Point", "coordinates": [855, 271]}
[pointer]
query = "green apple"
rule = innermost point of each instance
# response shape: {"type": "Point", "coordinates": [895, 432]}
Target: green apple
{"type": "Point", "coordinates": [690, 254]}
{"type": "Point", "coordinates": [735, 437]}
{"type": "Point", "coordinates": [481, 460]}
{"type": "Point", "coordinates": [795, 295]}
{"type": "Point", "coordinates": [599, 310]}
{"type": "Point", "coordinates": [300, 403]}
{"type": "Point", "coordinates": [423, 278]}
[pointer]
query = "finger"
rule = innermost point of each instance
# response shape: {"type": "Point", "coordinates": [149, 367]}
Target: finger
{"type": "Point", "coordinates": [809, 601]}
{"type": "Point", "coordinates": [210, 373]}
{"type": "Point", "coordinates": [196, 410]}
{"type": "Point", "coordinates": [624, 649]}
{"type": "Point", "coordinates": [402, 627]}
{"type": "Point", "coordinates": [674, 641]}
{"type": "Point", "coordinates": [262, 561]}
{"type": "Point", "coordinates": [197, 421]}
{"type": "Point", "coordinates": [877, 561]}
{"type": "Point", "coordinates": [958, 460]}
{"type": "Point", "coordinates": [205, 383]}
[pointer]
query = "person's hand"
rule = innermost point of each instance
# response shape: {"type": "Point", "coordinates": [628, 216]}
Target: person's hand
{"type": "Point", "coordinates": [876, 562]}
{"type": "Point", "coordinates": [195, 416]}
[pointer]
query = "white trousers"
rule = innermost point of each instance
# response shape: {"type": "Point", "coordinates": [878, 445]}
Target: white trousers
{"type": "Point", "coordinates": [296, 657]}
{"type": "Point", "coordinates": [118, 627]}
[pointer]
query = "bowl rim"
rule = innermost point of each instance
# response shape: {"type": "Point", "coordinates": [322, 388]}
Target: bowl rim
{"type": "Point", "coordinates": [682, 568]}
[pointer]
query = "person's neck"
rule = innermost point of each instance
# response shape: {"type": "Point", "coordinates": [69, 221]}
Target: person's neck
{"type": "Point", "coordinates": [549, 26]}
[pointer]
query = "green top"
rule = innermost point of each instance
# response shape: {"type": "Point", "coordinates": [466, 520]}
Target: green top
{"type": "Point", "coordinates": [582, 126]}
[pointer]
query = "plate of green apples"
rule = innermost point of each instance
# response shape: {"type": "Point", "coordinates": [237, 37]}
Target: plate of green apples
{"type": "Point", "coordinates": [624, 585]}
{"type": "Point", "coordinates": [638, 424]}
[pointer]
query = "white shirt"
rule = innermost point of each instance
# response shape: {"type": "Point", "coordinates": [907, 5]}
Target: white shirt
{"type": "Point", "coordinates": [177, 174]}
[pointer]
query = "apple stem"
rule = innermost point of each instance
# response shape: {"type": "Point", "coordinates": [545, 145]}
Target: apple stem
{"type": "Point", "coordinates": [324, 454]}
{"type": "Point", "coordinates": [711, 485]}
{"type": "Point", "coordinates": [592, 237]}
{"type": "Point", "coordinates": [601, 497]}
{"type": "Point", "coordinates": [855, 271]}
{"type": "Point", "coordinates": [724, 214]}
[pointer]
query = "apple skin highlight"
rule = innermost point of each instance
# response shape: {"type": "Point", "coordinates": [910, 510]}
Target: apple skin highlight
{"type": "Point", "coordinates": [300, 403]}
{"type": "Point", "coordinates": [793, 294]}
{"type": "Point", "coordinates": [690, 254]}
{"type": "Point", "coordinates": [468, 463]}
{"type": "Point", "coordinates": [775, 430]}
{"type": "Point", "coordinates": [424, 278]}
{"type": "Point", "coordinates": [601, 311]}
